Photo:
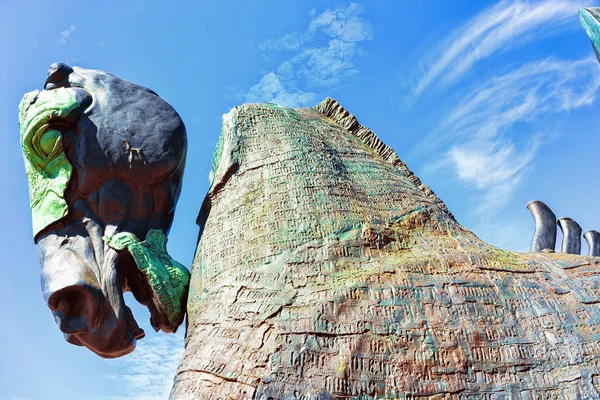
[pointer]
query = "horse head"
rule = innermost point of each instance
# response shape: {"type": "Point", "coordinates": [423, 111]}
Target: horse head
{"type": "Point", "coordinates": [104, 159]}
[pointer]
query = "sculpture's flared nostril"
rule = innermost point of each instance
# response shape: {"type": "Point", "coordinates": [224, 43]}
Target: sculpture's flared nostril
{"type": "Point", "coordinates": [58, 76]}
{"type": "Point", "coordinates": [73, 306]}
{"type": "Point", "coordinates": [69, 322]}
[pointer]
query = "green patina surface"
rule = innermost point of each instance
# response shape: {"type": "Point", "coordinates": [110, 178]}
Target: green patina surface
{"type": "Point", "coordinates": [590, 19]}
{"type": "Point", "coordinates": [327, 270]}
{"type": "Point", "coordinates": [218, 153]}
{"type": "Point", "coordinates": [48, 170]}
{"type": "Point", "coordinates": [168, 278]}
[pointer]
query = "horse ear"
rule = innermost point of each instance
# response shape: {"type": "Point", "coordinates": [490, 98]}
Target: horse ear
{"type": "Point", "coordinates": [226, 158]}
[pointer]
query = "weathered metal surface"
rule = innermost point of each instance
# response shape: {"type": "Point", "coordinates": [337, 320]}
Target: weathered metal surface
{"type": "Point", "coordinates": [327, 270]}
{"type": "Point", "coordinates": [544, 236]}
{"type": "Point", "coordinates": [593, 240]}
{"type": "Point", "coordinates": [104, 160]}
{"type": "Point", "coordinates": [571, 231]}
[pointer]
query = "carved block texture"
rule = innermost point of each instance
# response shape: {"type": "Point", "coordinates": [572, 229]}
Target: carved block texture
{"type": "Point", "coordinates": [327, 270]}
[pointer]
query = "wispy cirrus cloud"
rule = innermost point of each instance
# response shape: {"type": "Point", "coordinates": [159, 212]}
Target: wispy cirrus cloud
{"type": "Point", "coordinates": [66, 36]}
{"type": "Point", "coordinates": [504, 26]}
{"type": "Point", "coordinates": [150, 369]}
{"type": "Point", "coordinates": [478, 136]}
{"type": "Point", "coordinates": [322, 56]}
{"type": "Point", "coordinates": [499, 120]}
{"type": "Point", "coordinates": [495, 169]}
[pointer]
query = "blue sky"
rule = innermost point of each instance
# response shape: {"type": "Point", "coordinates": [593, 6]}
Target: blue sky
{"type": "Point", "coordinates": [492, 104]}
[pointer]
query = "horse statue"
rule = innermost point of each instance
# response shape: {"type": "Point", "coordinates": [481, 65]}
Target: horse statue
{"type": "Point", "coordinates": [325, 269]}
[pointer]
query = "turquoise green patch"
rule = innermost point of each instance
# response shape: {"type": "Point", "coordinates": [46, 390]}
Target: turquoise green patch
{"type": "Point", "coordinates": [218, 152]}
{"type": "Point", "coordinates": [46, 165]}
{"type": "Point", "coordinates": [590, 20]}
{"type": "Point", "coordinates": [168, 278]}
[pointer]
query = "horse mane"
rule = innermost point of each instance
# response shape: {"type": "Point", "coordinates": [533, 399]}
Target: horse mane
{"type": "Point", "coordinates": [332, 110]}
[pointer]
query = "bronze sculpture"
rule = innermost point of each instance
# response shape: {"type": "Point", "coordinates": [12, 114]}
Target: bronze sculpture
{"type": "Point", "coordinates": [104, 159]}
{"type": "Point", "coordinates": [326, 269]}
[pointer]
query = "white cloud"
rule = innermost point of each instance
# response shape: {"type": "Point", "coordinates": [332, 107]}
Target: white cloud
{"type": "Point", "coordinates": [495, 170]}
{"type": "Point", "coordinates": [343, 23]}
{"type": "Point", "coordinates": [491, 136]}
{"type": "Point", "coordinates": [533, 89]}
{"type": "Point", "coordinates": [66, 35]}
{"type": "Point", "coordinates": [478, 136]}
{"type": "Point", "coordinates": [150, 369]}
{"type": "Point", "coordinates": [504, 26]}
{"type": "Point", "coordinates": [270, 89]}
{"type": "Point", "coordinates": [326, 66]}
{"type": "Point", "coordinates": [322, 56]}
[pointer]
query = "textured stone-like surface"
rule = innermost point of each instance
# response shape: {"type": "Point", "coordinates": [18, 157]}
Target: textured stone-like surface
{"type": "Point", "coordinates": [327, 270]}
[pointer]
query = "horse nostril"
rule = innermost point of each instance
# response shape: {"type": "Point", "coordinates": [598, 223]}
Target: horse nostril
{"type": "Point", "coordinates": [58, 76]}
{"type": "Point", "coordinates": [71, 307]}
{"type": "Point", "coordinates": [70, 323]}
